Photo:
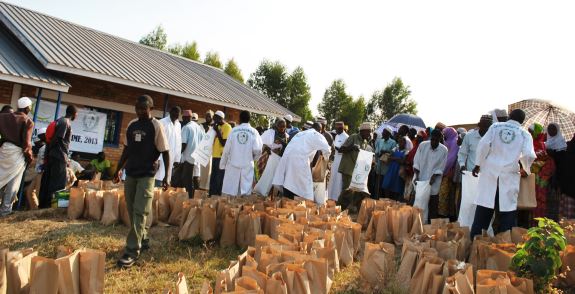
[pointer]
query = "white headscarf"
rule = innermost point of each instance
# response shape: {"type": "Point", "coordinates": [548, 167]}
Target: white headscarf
{"type": "Point", "coordinates": [408, 144]}
{"type": "Point", "coordinates": [557, 142]}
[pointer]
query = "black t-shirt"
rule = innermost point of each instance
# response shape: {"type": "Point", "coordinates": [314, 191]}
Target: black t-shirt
{"type": "Point", "coordinates": [60, 143]}
{"type": "Point", "coordinates": [145, 140]}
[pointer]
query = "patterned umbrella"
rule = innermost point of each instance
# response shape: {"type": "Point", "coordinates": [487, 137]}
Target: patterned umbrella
{"type": "Point", "coordinates": [544, 113]}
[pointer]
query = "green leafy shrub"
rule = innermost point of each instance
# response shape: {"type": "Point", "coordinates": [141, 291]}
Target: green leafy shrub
{"type": "Point", "coordinates": [539, 257]}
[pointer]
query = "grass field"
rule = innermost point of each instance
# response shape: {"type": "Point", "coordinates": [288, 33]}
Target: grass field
{"type": "Point", "coordinates": [157, 268]}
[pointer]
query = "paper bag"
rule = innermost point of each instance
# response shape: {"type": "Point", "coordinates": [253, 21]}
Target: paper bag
{"type": "Point", "coordinates": [177, 207]}
{"type": "Point", "coordinates": [69, 273]}
{"type": "Point", "coordinates": [317, 273]}
{"type": "Point", "coordinates": [377, 263]}
{"type": "Point", "coordinates": [181, 284]}
{"type": "Point", "coordinates": [518, 235]}
{"type": "Point", "coordinates": [248, 226]}
{"type": "Point", "coordinates": [344, 245]}
{"type": "Point", "coordinates": [164, 206]}
{"type": "Point", "coordinates": [228, 237]}
{"type": "Point", "coordinates": [76, 203]}
{"type": "Point", "coordinates": [208, 222]}
{"type": "Point", "coordinates": [18, 270]}
{"type": "Point", "coordinates": [3, 281]}
{"type": "Point", "coordinates": [461, 282]}
{"type": "Point", "coordinates": [95, 203]}
{"type": "Point", "coordinates": [527, 195]}
{"type": "Point", "coordinates": [318, 172]}
{"type": "Point", "coordinates": [497, 282]}
{"type": "Point", "coordinates": [206, 288]}
{"type": "Point", "coordinates": [191, 227]}
{"type": "Point", "coordinates": [365, 211]}
{"type": "Point", "coordinates": [111, 208]}
{"type": "Point", "coordinates": [401, 224]}
{"type": "Point", "coordinates": [123, 210]}
{"type": "Point", "coordinates": [424, 273]}
{"type": "Point", "coordinates": [497, 259]}
{"type": "Point", "coordinates": [276, 283]}
{"type": "Point", "coordinates": [361, 170]}
{"type": "Point", "coordinates": [44, 274]}
{"type": "Point", "coordinates": [422, 194]}
{"type": "Point", "coordinates": [92, 264]}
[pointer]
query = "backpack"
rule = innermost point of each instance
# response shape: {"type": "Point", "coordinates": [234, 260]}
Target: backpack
{"type": "Point", "coordinates": [50, 130]}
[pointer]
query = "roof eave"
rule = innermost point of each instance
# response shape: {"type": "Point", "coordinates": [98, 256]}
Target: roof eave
{"type": "Point", "coordinates": [35, 83]}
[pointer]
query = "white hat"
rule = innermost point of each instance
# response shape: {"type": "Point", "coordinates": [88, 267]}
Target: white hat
{"type": "Point", "coordinates": [220, 114]}
{"type": "Point", "coordinates": [288, 117]}
{"type": "Point", "coordinates": [24, 102]}
{"type": "Point", "coordinates": [389, 129]}
{"type": "Point", "coordinates": [41, 131]}
{"type": "Point", "coordinates": [365, 126]}
{"type": "Point", "coordinates": [194, 116]}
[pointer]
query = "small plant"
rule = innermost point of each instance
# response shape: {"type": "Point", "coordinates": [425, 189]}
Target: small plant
{"type": "Point", "coordinates": [539, 258]}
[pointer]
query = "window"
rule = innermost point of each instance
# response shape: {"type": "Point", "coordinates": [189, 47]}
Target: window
{"type": "Point", "coordinates": [113, 127]}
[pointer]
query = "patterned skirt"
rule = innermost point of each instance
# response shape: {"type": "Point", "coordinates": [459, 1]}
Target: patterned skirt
{"type": "Point", "coordinates": [567, 207]}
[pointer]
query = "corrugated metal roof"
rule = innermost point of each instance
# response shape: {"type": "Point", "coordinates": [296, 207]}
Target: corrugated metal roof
{"type": "Point", "coordinates": [18, 66]}
{"type": "Point", "coordinates": [66, 47]}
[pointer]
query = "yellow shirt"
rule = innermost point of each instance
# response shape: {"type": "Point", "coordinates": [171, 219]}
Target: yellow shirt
{"type": "Point", "coordinates": [218, 149]}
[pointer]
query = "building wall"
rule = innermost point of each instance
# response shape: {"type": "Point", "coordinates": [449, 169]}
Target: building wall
{"type": "Point", "coordinates": [5, 92]}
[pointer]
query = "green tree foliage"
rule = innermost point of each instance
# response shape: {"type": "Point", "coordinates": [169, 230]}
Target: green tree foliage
{"type": "Point", "coordinates": [289, 90]}
{"type": "Point", "coordinates": [354, 114]}
{"type": "Point", "coordinates": [335, 100]}
{"type": "Point", "coordinates": [176, 49]}
{"type": "Point", "coordinates": [213, 59]}
{"type": "Point", "coordinates": [233, 70]}
{"type": "Point", "coordinates": [299, 94]}
{"type": "Point", "coordinates": [394, 99]}
{"type": "Point", "coordinates": [156, 38]}
{"type": "Point", "coordinates": [190, 51]}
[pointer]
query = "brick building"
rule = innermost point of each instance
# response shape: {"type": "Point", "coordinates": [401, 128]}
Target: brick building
{"type": "Point", "coordinates": [45, 57]}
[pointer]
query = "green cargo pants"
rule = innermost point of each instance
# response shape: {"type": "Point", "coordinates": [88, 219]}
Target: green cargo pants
{"type": "Point", "coordinates": [139, 193]}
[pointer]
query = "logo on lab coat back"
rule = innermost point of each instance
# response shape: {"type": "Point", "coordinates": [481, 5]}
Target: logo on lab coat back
{"type": "Point", "coordinates": [507, 135]}
{"type": "Point", "coordinates": [242, 137]}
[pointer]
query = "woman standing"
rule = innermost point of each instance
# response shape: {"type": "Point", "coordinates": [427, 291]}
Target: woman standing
{"type": "Point", "coordinates": [446, 195]}
{"type": "Point", "coordinates": [543, 168]}
{"type": "Point", "coordinates": [408, 191]}
{"type": "Point", "coordinates": [275, 141]}
{"type": "Point", "coordinates": [393, 182]}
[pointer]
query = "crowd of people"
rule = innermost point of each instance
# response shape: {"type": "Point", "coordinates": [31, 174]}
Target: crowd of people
{"type": "Point", "coordinates": [237, 160]}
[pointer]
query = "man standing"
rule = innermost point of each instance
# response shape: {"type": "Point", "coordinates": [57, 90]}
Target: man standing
{"type": "Point", "coordinates": [243, 147]}
{"type": "Point", "coordinates": [293, 172]}
{"type": "Point", "coordinates": [350, 150]}
{"type": "Point", "coordinates": [206, 170]}
{"type": "Point", "coordinates": [428, 165]}
{"type": "Point", "coordinates": [186, 117]}
{"type": "Point", "coordinates": [383, 145]}
{"type": "Point", "coordinates": [222, 130]}
{"type": "Point", "coordinates": [499, 153]}
{"type": "Point", "coordinates": [324, 132]}
{"type": "Point", "coordinates": [192, 134]}
{"type": "Point", "coordinates": [335, 180]}
{"type": "Point", "coordinates": [15, 151]}
{"type": "Point", "coordinates": [145, 141]}
{"type": "Point", "coordinates": [55, 174]}
{"type": "Point", "coordinates": [290, 129]}
{"type": "Point", "coordinates": [173, 131]}
{"type": "Point", "coordinates": [468, 149]}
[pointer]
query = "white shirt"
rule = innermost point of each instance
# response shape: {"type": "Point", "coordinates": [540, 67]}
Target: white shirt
{"type": "Point", "coordinates": [339, 140]}
{"type": "Point", "coordinates": [429, 162]}
{"type": "Point", "coordinates": [192, 135]}
{"type": "Point", "coordinates": [75, 166]}
{"type": "Point", "coordinates": [499, 152]}
{"type": "Point", "coordinates": [243, 146]}
{"type": "Point", "coordinates": [293, 171]}
{"type": "Point", "coordinates": [268, 139]}
{"type": "Point", "coordinates": [173, 131]}
{"type": "Point", "coordinates": [468, 150]}
{"type": "Point", "coordinates": [40, 159]}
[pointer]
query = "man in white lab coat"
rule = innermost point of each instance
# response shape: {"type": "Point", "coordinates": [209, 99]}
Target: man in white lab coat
{"type": "Point", "coordinates": [335, 180]}
{"type": "Point", "coordinates": [293, 173]}
{"type": "Point", "coordinates": [501, 149]}
{"type": "Point", "coordinates": [173, 131]}
{"type": "Point", "coordinates": [244, 145]}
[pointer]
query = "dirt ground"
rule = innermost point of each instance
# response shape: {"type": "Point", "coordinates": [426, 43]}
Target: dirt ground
{"type": "Point", "coordinates": [157, 268]}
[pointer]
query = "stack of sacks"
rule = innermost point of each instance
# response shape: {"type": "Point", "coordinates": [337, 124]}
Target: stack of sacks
{"type": "Point", "coordinates": [24, 271]}
{"type": "Point", "coordinates": [392, 222]}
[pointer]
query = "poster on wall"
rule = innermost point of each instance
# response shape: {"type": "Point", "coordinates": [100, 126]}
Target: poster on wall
{"type": "Point", "coordinates": [88, 129]}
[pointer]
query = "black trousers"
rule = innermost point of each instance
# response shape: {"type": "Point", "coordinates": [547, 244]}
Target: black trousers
{"type": "Point", "coordinates": [483, 215]}
{"type": "Point", "coordinates": [288, 194]}
{"type": "Point", "coordinates": [187, 178]}
{"type": "Point", "coordinates": [433, 207]}
{"type": "Point", "coordinates": [53, 179]}
{"type": "Point", "coordinates": [216, 178]}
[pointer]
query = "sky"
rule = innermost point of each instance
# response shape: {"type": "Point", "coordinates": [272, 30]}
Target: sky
{"type": "Point", "coordinates": [461, 59]}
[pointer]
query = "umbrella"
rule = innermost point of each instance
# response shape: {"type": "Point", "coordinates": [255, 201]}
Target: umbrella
{"type": "Point", "coordinates": [544, 113]}
{"type": "Point", "coordinates": [410, 120]}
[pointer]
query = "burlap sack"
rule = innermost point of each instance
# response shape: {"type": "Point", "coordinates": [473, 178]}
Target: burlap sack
{"type": "Point", "coordinates": [76, 203]}
{"type": "Point", "coordinates": [69, 273]}
{"type": "Point", "coordinates": [425, 271]}
{"type": "Point", "coordinates": [181, 284]}
{"type": "Point", "coordinates": [92, 264]}
{"type": "Point", "coordinates": [377, 263]}
{"type": "Point", "coordinates": [18, 265]}
{"type": "Point", "coordinates": [228, 237]}
{"type": "Point", "coordinates": [43, 276]}
{"type": "Point", "coordinates": [191, 227]}
{"type": "Point", "coordinates": [111, 212]}
{"type": "Point", "coordinates": [3, 281]}
{"type": "Point", "coordinates": [177, 207]}
{"type": "Point", "coordinates": [95, 203]}
{"type": "Point", "coordinates": [123, 210]}
{"type": "Point", "coordinates": [276, 284]}
{"type": "Point", "coordinates": [208, 222]}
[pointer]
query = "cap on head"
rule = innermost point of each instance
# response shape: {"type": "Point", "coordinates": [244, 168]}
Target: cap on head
{"type": "Point", "coordinates": [321, 120]}
{"type": "Point", "coordinates": [24, 102]}
{"type": "Point", "coordinates": [194, 116]}
{"type": "Point", "coordinates": [41, 131]}
{"type": "Point", "coordinates": [187, 113]}
{"type": "Point", "coordinates": [288, 117]}
{"type": "Point", "coordinates": [365, 126]}
{"type": "Point", "coordinates": [220, 114]}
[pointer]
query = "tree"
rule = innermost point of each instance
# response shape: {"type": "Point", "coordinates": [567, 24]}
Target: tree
{"type": "Point", "coordinates": [213, 59]}
{"type": "Point", "coordinates": [190, 51]}
{"type": "Point", "coordinates": [354, 114]}
{"type": "Point", "coordinates": [156, 38]}
{"type": "Point", "coordinates": [271, 79]}
{"type": "Point", "coordinates": [394, 99]}
{"type": "Point", "coordinates": [233, 70]}
{"type": "Point", "coordinates": [299, 94]}
{"type": "Point", "coordinates": [175, 49]}
{"type": "Point", "coordinates": [335, 99]}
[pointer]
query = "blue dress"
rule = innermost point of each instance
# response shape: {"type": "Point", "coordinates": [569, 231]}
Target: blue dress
{"type": "Point", "coordinates": [392, 181]}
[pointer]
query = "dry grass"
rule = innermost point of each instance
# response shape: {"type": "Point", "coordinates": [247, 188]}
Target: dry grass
{"type": "Point", "coordinates": [157, 268]}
